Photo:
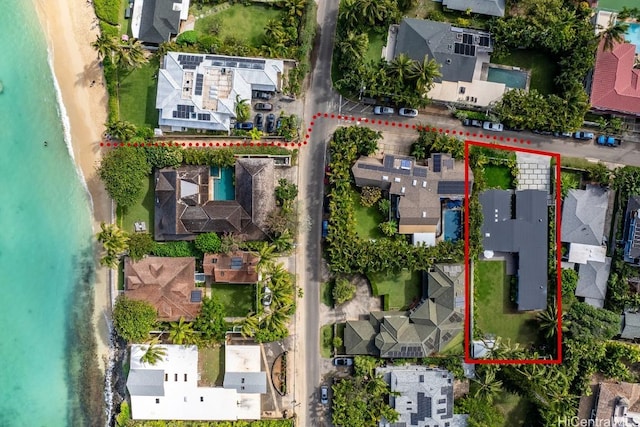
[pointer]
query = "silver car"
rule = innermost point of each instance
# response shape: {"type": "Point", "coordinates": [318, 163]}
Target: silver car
{"type": "Point", "coordinates": [496, 127]}
{"type": "Point", "coordinates": [324, 395]}
{"type": "Point", "coordinates": [380, 110]}
{"type": "Point", "coordinates": [408, 112]}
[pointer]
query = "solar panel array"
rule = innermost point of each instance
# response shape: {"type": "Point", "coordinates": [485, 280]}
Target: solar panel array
{"type": "Point", "coordinates": [464, 49]}
{"type": "Point", "coordinates": [407, 352]}
{"type": "Point", "coordinates": [236, 62]}
{"type": "Point", "coordinates": [196, 296]}
{"type": "Point", "coordinates": [448, 391]}
{"type": "Point", "coordinates": [199, 82]}
{"type": "Point", "coordinates": [424, 409]}
{"type": "Point", "coordinates": [183, 111]}
{"type": "Point", "coordinates": [236, 263]}
{"type": "Point", "coordinates": [437, 161]}
{"type": "Point", "coordinates": [451, 187]}
{"type": "Point", "coordinates": [190, 62]}
{"type": "Point", "coordinates": [420, 171]}
{"type": "Point", "coordinates": [370, 167]}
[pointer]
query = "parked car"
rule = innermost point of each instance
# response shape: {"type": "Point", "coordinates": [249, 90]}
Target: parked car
{"type": "Point", "coordinates": [271, 123]}
{"type": "Point", "coordinates": [258, 121]}
{"type": "Point", "coordinates": [244, 125]}
{"type": "Point", "coordinates": [324, 395]}
{"type": "Point", "coordinates": [583, 135]}
{"type": "Point", "coordinates": [609, 141]}
{"type": "Point", "coordinates": [258, 94]}
{"type": "Point", "coordinates": [542, 132]}
{"type": "Point", "coordinates": [408, 112]}
{"type": "Point", "coordinates": [325, 228]}
{"type": "Point", "coordinates": [496, 127]}
{"type": "Point", "coordinates": [279, 123]}
{"type": "Point", "coordinates": [470, 122]}
{"type": "Point", "coordinates": [343, 361]}
{"type": "Point", "coordinates": [380, 110]}
{"type": "Point", "coordinates": [563, 134]}
{"type": "Point", "coordinates": [263, 106]}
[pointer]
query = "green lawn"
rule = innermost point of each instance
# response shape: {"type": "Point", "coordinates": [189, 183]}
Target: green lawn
{"type": "Point", "coordinates": [125, 24]}
{"type": "Point", "coordinates": [326, 295]}
{"type": "Point", "coordinates": [367, 219]}
{"type": "Point", "coordinates": [494, 312]}
{"type": "Point", "coordinates": [142, 210]}
{"type": "Point", "coordinates": [238, 299]}
{"type": "Point", "coordinates": [212, 365]}
{"type": "Point", "coordinates": [246, 23]}
{"type": "Point", "coordinates": [616, 5]}
{"type": "Point", "coordinates": [543, 69]}
{"type": "Point", "coordinates": [516, 409]}
{"type": "Point", "coordinates": [326, 341]}
{"type": "Point", "coordinates": [376, 41]}
{"type": "Point", "coordinates": [399, 289]}
{"type": "Point", "coordinates": [137, 95]}
{"type": "Point", "coordinates": [498, 176]}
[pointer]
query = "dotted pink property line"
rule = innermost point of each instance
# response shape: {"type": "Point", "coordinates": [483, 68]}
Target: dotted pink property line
{"type": "Point", "coordinates": [307, 136]}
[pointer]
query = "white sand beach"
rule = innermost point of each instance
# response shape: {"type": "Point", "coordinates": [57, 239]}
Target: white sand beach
{"type": "Point", "coordinates": [70, 28]}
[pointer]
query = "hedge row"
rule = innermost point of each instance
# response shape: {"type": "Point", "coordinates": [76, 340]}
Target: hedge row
{"type": "Point", "coordinates": [107, 10]}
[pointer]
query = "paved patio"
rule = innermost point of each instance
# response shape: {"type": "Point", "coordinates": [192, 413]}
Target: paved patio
{"type": "Point", "coordinates": [534, 171]}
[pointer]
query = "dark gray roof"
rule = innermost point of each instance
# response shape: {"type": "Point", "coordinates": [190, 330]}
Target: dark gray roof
{"type": "Point", "coordinates": [583, 215]}
{"type": "Point", "coordinates": [418, 38]}
{"type": "Point", "coordinates": [246, 382]}
{"type": "Point", "coordinates": [592, 282]}
{"type": "Point", "coordinates": [632, 231]}
{"type": "Point", "coordinates": [483, 7]}
{"type": "Point", "coordinates": [159, 22]}
{"type": "Point", "coordinates": [146, 382]}
{"type": "Point", "coordinates": [525, 234]}
{"type": "Point", "coordinates": [630, 326]}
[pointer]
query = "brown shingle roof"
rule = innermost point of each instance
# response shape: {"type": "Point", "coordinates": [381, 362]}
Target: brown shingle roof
{"type": "Point", "coordinates": [608, 398]}
{"type": "Point", "coordinates": [165, 283]}
{"type": "Point", "coordinates": [236, 267]}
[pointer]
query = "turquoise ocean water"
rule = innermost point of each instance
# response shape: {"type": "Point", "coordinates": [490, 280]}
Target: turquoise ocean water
{"type": "Point", "coordinates": [46, 266]}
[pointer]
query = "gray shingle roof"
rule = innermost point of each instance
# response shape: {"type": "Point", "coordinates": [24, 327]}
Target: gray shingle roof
{"type": "Point", "coordinates": [246, 382]}
{"type": "Point", "coordinates": [583, 216]}
{"type": "Point", "coordinates": [592, 282]}
{"type": "Point", "coordinates": [146, 382]}
{"type": "Point", "coordinates": [159, 21]}
{"type": "Point", "coordinates": [630, 326]}
{"type": "Point", "coordinates": [483, 7]}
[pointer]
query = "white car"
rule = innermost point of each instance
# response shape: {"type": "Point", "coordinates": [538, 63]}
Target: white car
{"type": "Point", "coordinates": [380, 110]}
{"type": "Point", "coordinates": [408, 112]}
{"type": "Point", "coordinates": [496, 127]}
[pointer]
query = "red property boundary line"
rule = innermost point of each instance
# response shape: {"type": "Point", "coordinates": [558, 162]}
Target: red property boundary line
{"type": "Point", "coordinates": [469, 298]}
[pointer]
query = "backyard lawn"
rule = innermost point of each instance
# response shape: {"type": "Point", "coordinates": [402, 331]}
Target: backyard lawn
{"type": "Point", "coordinates": [495, 313]}
{"type": "Point", "coordinates": [400, 290]}
{"type": "Point", "coordinates": [515, 409]}
{"type": "Point", "coordinates": [367, 219]}
{"type": "Point", "coordinates": [211, 361]}
{"type": "Point", "coordinates": [238, 300]}
{"type": "Point", "coordinates": [542, 68]}
{"type": "Point", "coordinates": [142, 210]}
{"type": "Point", "coordinates": [246, 23]}
{"type": "Point", "coordinates": [137, 95]}
{"type": "Point", "coordinates": [125, 24]}
{"type": "Point", "coordinates": [376, 41]}
{"type": "Point", "coordinates": [498, 177]}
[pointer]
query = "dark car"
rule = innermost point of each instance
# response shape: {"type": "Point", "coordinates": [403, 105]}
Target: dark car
{"type": "Point", "coordinates": [258, 94]}
{"type": "Point", "coordinates": [343, 361]}
{"type": "Point", "coordinates": [325, 228]}
{"type": "Point", "coordinates": [244, 125]}
{"type": "Point", "coordinates": [279, 123]}
{"type": "Point", "coordinates": [271, 123]}
{"type": "Point", "coordinates": [258, 121]}
{"type": "Point", "coordinates": [263, 106]}
{"type": "Point", "coordinates": [470, 122]}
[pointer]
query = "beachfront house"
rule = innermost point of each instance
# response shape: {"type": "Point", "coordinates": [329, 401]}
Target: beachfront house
{"type": "Point", "coordinates": [154, 22]}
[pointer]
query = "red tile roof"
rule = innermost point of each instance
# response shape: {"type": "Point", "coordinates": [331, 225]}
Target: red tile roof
{"type": "Point", "coordinates": [616, 85]}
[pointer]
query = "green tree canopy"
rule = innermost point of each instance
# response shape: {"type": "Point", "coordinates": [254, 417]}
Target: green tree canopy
{"type": "Point", "coordinates": [123, 172]}
{"type": "Point", "coordinates": [133, 319]}
{"type": "Point", "coordinates": [140, 244]}
{"type": "Point", "coordinates": [208, 242]}
{"type": "Point", "coordinates": [343, 291]}
{"type": "Point", "coordinates": [210, 321]}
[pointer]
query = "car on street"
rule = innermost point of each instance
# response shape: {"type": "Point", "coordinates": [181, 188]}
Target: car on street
{"type": "Point", "coordinates": [343, 361]}
{"type": "Point", "coordinates": [563, 134]}
{"type": "Point", "coordinates": [408, 112]}
{"type": "Point", "coordinates": [470, 122]}
{"type": "Point", "coordinates": [271, 123]}
{"type": "Point", "coordinates": [244, 125]}
{"type": "Point", "coordinates": [608, 141]}
{"type": "Point", "coordinates": [325, 228]}
{"type": "Point", "coordinates": [380, 110]}
{"type": "Point", "coordinates": [324, 395]}
{"type": "Point", "coordinates": [585, 136]}
{"type": "Point", "coordinates": [279, 123]}
{"type": "Point", "coordinates": [258, 94]}
{"type": "Point", "coordinates": [496, 127]}
{"type": "Point", "coordinates": [263, 106]}
{"type": "Point", "coordinates": [259, 121]}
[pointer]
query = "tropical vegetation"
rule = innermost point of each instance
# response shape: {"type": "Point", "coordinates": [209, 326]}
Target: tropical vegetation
{"type": "Point", "coordinates": [133, 319]}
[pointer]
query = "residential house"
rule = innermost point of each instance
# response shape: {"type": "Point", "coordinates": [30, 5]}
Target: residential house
{"type": "Point", "coordinates": [417, 190]}
{"type": "Point", "coordinates": [482, 7]}
{"type": "Point", "coordinates": [199, 91]}
{"type": "Point", "coordinates": [517, 224]}
{"type": "Point", "coordinates": [169, 390]}
{"type": "Point", "coordinates": [422, 396]}
{"type": "Point", "coordinates": [422, 331]}
{"type": "Point", "coordinates": [168, 284]}
{"type": "Point", "coordinates": [630, 329]}
{"type": "Point", "coordinates": [186, 202]}
{"type": "Point", "coordinates": [583, 223]}
{"type": "Point", "coordinates": [631, 235]}
{"type": "Point", "coordinates": [616, 404]}
{"type": "Point", "coordinates": [236, 267]}
{"type": "Point", "coordinates": [463, 55]}
{"type": "Point", "coordinates": [154, 22]}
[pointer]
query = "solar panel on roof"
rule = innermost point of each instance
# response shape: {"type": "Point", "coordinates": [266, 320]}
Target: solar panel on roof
{"type": "Point", "coordinates": [451, 187]}
{"type": "Point", "coordinates": [236, 263]}
{"type": "Point", "coordinates": [196, 296]}
{"type": "Point", "coordinates": [421, 172]}
{"type": "Point", "coordinates": [437, 162]}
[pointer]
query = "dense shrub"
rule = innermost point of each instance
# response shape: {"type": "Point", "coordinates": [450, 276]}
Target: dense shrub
{"type": "Point", "coordinates": [107, 10]}
{"type": "Point", "coordinates": [123, 172]}
{"type": "Point", "coordinates": [133, 319]}
{"type": "Point", "coordinates": [208, 243]}
{"type": "Point", "coordinates": [140, 244]}
{"type": "Point", "coordinates": [369, 196]}
{"type": "Point", "coordinates": [187, 38]}
{"type": "Point", "coordinates": [343, 291]}
{"type": "Point", "coordinates": [180, 248]}
{"type": "Point", "coordinates": [164, 157]}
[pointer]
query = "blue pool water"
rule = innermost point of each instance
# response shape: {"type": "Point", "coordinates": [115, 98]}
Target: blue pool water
{"type": "Point", "coordinates": [633, 35]}
{"type": "Point", "coordinates": [223, 187]}
{"type": "Point", "coordinates": [511, 78]}
{"type": "Point", "coordinates": [452, 224]}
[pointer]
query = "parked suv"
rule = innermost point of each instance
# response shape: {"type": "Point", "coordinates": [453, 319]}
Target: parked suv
{"type": "Point", "coordinates": [271, 123]}
{"type": "Point", "coordinates": [258, 94]}
{"type": "Point", "coordinates": [263, 106]}
{"type": "Point", "coordinates": [380, 110]}
{"type": "Point", "coordinates": [343, 361]}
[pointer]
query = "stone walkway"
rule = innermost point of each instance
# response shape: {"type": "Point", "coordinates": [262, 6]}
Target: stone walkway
{"type": "Point", "coordinates": [533, 171]}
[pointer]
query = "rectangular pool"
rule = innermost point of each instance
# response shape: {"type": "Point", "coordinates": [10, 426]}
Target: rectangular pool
{"type": "Point", "coordinates": [633, 35]}
{"type": "Point", "coordinates": [223, 186]}
{"type": "Point", "coordinates": [452, 224]}
{"type": "Point", "coordinates": [511, 78]}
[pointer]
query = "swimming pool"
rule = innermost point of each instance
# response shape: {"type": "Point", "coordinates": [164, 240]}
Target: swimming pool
{"type": "Point", "coordinates": [633, 35]}
{"type": "Point", "coordinates": [452, 224]}
{"type": "Point", "coordinates": [223, 187]}
{"type": "Point", "coordinates": [511, 78]}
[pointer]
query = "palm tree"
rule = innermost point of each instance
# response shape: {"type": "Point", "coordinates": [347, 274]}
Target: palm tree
{"type": "Point", "coordinates": [154, 353]}
{"type": "Point", "coordinates": [121, 130]}
{"type": "Point", "coordinates": [114, 241]}
{"type": "Point", "coordinates": [105, 46]}
{"type": "Point", "coordinates": [614, 34]}
{"type": "Point", "coordinates": [130, 54]}
{"type": "Point", "coordinates": [242, 109]}
{"type": "Point", "coordinates": [401, 66]}
{"type": "Point", "coordinates": [488, 385]}
{"type": "Point", "coordinates": [266, 253]}
{"type": "Point", "coordinates": [354, 45]}
{"type": "Point", "coordinates": [250, 325]}
{"type": "Point", "coordinates": [424, 72]}
{"type": "Point", "coordinates": [295, 8]}
{"type": "Point", "coordinates": [349, 13]}
{"type": "Point", "coordinates": [181, 332]}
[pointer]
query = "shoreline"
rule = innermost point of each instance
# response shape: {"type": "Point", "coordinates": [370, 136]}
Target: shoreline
{"type": "Point", "coordinates": [69, 30]}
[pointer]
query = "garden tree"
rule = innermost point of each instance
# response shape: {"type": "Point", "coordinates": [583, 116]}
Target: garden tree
{"type": "Point", "coordinates": [280, 221]}
{"type": "Point", "coordinates": [388, 228]}
{"type": "Point", "coordinates": [384, 206]}
{"type": "Point", "coordinates": [286, 192]}
{"type": "Point", "coordinates": [618, 358]}
{"type": "Point", "coordinates": [569, 282]}
{"type": "Point", "coordinates": [352, 47]}
{"type": "Point", "coordinates": [121, 130]}
{"type": "Point", "coordinates": [626, 180]}
{"type": "Point", "coordinates": [598, 172]}
{"type": "Point", "coordinates": [343, 290]}
{"type": "Point", "coordinates": [123, 172]}
{"type": "Point", "coordinates": [549, 318]}
{"type": "Point", "coordinates": [250, 325]}
{"type": "Point", "coordinates": [283, 242]}
{"type": "Point", "coordinates": [337, 342]}
{"type": "Point", "coordinates": [242, 109]}
{"type": "Point", "coordinates": [349, 14]}
{"type": "Point", "coordinates": [255, 134]}
{"type": "Point", "coordinates": [369, 196]}
{"type": "Point", "coordinates": [133, 319]}
{"type": "Point", "coordinates": [187, 38]}
{"type": "Point", "coordinates": [105, 45]}
{"type": "Point", "coordinates": [129, 55]}
{"type": "Point", "coordinates": [153, 353]}
{"type": "Point", "coordinates": [114, 242]}
{"type": "Point", "coordinates": [401, 66]}
{"type": "Point", "coordinates": [181, 332]}
{"type": "Point", "coordinates": [364, 139]}
{"type": "Point", "coordinates": [613, 34]}
{"type": "Point", "coordinates": [230, 242]}
{"type": "Point", "coordinates": [166, 47]}
{"type": "Point", "coordinates": [210, 321]}
{"type": "Point", "coordinates": [486, 386]}
{"type": "Point", "coordinates": [589, 324]}
{"type": "Point", "coordinates": [266, 254]}
{"type": "Point", "coordinates": [568, 181]}
{"type": "Point", "coordinates": [140, 244]}
{"type": "Point", "coordinates": [361, 402]}
{"type": "Point", "coordinates": [423, 73]}
{"type": "Point", "coordinates": [365, 366]}
{"type": "Point", "coordinates": [481, 413]}
{"type": "Point", "coordinates": [160, 157]}
{"type": "Point", "coordinates": [208, 243]}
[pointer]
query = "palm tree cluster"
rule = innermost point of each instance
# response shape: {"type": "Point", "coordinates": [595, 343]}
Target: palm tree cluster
{"type": "Point", "coordinates": [363, 14]}
{"type": "Point", "coordinates": [153, 353]}
{"type": "Point", "coordinates": [124, 54]}
{"type": "Point", "coordinates": [114, 242]}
